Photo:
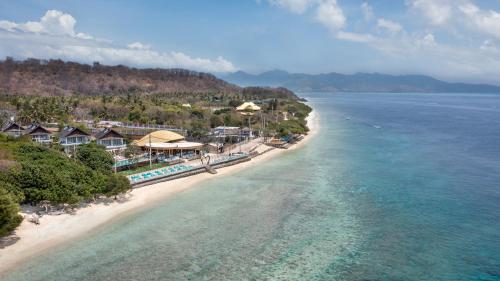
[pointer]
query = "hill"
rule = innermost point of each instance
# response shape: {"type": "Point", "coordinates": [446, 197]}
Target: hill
{"type": "Point", "coordinates": [35, 77]}
{"type": "Point", "coordinates": [359, 82]}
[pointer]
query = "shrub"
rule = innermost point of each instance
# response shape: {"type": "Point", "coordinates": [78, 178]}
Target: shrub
{"type": "Point", "coordinates": [95, 157]}
{"type": "Point", "coordinates": [288, 127]}
{"type": "Point", "coordinates": [9, 212]}
{"type": "Point", "coordinates": [115, 185]}
{"type": "Point", "coordinates": [48, 175]}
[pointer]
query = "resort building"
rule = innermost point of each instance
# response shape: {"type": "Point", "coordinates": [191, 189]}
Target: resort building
{"type": "Point", "coordinates": [169, 144]}
{"type": "Point", "coordinates": [109, 124]}
{"type": "Point", "coordinates": [111, 139]}
{"type": "Point", "coordinates": [71, 137]}
{"type": "Point", "coordinates": [226, 131]}
{"type": "Point", "coordinates": [247, 109]}
{"type": "Point", "coordinates": [39, 134]}
{"type": "Point", "coordinates": [13, 129]}
{"type": "Point", "coordinates": [248, 106]}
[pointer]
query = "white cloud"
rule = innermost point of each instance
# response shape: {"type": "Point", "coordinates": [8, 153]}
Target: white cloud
{"type": "Point", "coordinates": [437, 11]}
{"type": "Point", "coordinates": [419, 51]}
{"type": "Point", "coordinates": [367, 11]}
{"type": "Point", "coordinates": [391, 26]}
{"type": "Point", "coordinates": [355, 37]}
{"type": "Point", "coordinates": [8, 25]}
{"type": "Point", "coordinates": [469, 9]}
{"type": "Point", "coordinates": [327, 12]}
{"type": "Point", "coordinates": [294, 6]}
{"type": "Point", "coordinates": [487, 22]}
{"type": "Point", "coordinates": [489, 45]}
{"type": "Point", "coordinates": [54, 36]}
{"type": "Point", "coordinates": [426, 40]}
{"type": "Point", "coordinates": [138, 46]}
{"type": "Point", "coordinates": [83, 35]}
{"type": "Point", "coordinates": [53, 22]}
{"type": "Point", "coordinates": [330, 15]}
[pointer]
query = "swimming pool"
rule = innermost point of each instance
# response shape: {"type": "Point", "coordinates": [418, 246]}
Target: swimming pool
{"type": "Point", "coordinates": [159, 173]}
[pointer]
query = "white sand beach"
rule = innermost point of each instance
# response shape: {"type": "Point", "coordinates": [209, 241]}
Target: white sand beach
{"type": "Point", "coordinates": [55, 230]}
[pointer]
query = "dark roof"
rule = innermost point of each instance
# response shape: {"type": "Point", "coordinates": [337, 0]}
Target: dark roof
{"type": "Point", "coordinates": [67, 131]}
{"type": "Point", "coordinates": [36, 128]}
{"type": "Point", "coordinates": [10, 125]}
{"type": "Point", "coordinates": [108, 133]}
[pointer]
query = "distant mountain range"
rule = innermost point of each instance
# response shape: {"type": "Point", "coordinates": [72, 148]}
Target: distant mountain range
{"type": "Point", "coordinates": [359, 82]}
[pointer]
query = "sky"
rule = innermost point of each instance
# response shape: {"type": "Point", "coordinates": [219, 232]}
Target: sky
{"type": "Point", "coordinates": [454, 40]}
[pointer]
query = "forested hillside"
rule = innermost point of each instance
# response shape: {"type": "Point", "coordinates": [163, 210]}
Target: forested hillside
{"type": "Point", "coordinates": [59, 78]}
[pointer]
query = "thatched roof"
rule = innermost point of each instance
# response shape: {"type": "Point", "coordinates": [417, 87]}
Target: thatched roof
{"type": "Point", "coordinates": [248, 106]}
{"type": "Point", "coordinates": [159, 137]}
{"type": "Point", "coordinates": [176, 145]}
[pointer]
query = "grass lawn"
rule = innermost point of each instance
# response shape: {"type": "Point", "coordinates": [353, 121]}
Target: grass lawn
{"type": "Point", "coordinates": [143, 169]}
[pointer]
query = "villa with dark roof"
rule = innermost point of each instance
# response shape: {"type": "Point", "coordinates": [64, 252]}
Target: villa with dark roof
{"type": "Point", "coordinates": [111, 139]}
{"type": "Point", "coordinates": [13, 129]}
{"type": "Point", "coordinates": [39, 134]}
{"type": "Point", "coordinates": [71, 137]}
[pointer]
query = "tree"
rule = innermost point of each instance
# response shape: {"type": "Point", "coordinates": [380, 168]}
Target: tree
{"type": "Point", "coordinates": [95, 157]}
{"type": "Point", "coordinates": [215, 121]}
{"type": "Point", "coordinates": [131, 152]}
{"type": "Point", "coordinates": [115, 185]}
{"type": "Point", "coordinates": [198, 129]}
{"type": "Point", "coordinates": [234, 103]}
{"type": "Point", "coordinates": [288, 127]}
{"type": "Point", "coordinates": [9, 212]}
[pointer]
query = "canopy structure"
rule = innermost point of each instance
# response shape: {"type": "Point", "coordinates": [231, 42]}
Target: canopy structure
{"type": "Point", "coordinates": [159, 137]}
{"type": "Point", "coordinates": [183, 145]}
{"type": "Point", "coordinates": [248, 106]}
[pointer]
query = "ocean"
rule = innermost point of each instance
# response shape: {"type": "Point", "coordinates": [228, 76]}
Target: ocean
{"type": "Point", "coordinates": [393, 187]}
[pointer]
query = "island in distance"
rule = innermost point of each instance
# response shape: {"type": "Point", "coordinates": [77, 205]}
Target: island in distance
{"type": "Point", "coordinates": [359, 82]}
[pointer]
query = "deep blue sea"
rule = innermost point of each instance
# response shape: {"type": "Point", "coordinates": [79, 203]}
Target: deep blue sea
{"type": "Point", "coordinates": [394, 187]}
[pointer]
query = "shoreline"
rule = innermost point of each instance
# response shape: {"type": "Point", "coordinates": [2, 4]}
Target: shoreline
{"type": "Point", "coordinates": [57, 230]}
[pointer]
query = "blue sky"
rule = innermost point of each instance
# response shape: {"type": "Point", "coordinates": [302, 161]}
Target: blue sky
{"type": "Point", "coordinates": [456, 40]}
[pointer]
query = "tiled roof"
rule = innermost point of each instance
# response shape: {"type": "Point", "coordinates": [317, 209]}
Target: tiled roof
{"type": "Point", "coordinates": [70, 130]}
{"type": "Point", "coordinates": [106, 132]}
{"type": "Point", "coordinates": [11, 125]}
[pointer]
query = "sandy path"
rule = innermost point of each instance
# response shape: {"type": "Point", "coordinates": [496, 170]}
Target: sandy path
{"type": "Point", "coordinates": [56, 230]}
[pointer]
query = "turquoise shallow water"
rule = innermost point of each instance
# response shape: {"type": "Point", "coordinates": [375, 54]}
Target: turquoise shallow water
{"type": "Point", "coordinates": [394, 187]}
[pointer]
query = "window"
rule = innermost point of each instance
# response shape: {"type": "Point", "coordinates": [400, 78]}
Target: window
{"type": "Point", "coordinates": [117, 142]}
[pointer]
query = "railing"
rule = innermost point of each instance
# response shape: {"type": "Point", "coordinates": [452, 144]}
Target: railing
{"type": "Point", "coordinates": [64, 142]}
{"type": "Point", "coordinates": [150, 127]}
{"type": "Point", "coordinates": [181, 170]}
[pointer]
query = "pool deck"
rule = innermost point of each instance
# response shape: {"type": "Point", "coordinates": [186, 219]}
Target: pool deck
{"type": "Point", "coordinates": [237, 155]}
{"type": "Point", "coordinates": [190, 172]}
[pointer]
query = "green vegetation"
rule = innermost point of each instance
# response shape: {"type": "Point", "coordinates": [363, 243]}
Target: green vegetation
{"type": "Point", "coordinates": [35, 174]}
{"type": "Point", "coordinates": [208, 110]}
{"type": "Point", "coordinates": [296, 123]}
{"type": "Point", "coordinates": [143, 169]}
{"type": "Point", "coordinates": [95, 157]}
{"type": "Point", "coordinates": [64, 92]}
{"type": "Point", "coordinates": [9, 209]}
{"type": "Point", "coordinates": [115, 185]}
{"type": "Point", "coordinates": [289, 127]}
